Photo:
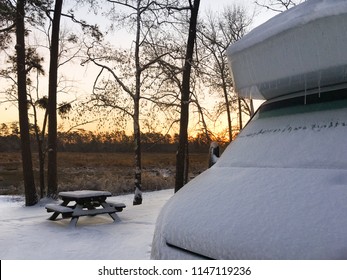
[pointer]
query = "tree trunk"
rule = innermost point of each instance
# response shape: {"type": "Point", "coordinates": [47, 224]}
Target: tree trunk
{"type": "Point", "coordinates": [28, 174]}
{"type": "Point", "coordinates": [138, 166]}
{"type": "Point", "coordinates": [40, 146]}
{"type": "Point", "coordinates": [42, 155]}
{"type": "Point", "coordinates": [137, 132]}
{"type": "Point", "coordinates": [182, 156]}
{"type": "Point", "coordinates": [52, 103]}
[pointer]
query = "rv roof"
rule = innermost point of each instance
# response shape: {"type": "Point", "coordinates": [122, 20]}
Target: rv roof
{"type": "Point", "coordinates": [306, 12]}
{"type": "Point", "coordinates": [296, 51]}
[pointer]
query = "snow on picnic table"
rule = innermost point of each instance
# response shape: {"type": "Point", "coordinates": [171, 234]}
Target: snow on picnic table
{"type": "Point", "coordinates": [27, 234]}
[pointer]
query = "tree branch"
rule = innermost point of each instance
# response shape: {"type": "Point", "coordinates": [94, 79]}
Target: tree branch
{"type": "Point", "coordinates": [7, 29]}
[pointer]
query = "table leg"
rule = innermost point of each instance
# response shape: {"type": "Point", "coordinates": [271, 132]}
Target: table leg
{"type": "Point", "coordinates": [56, 214]}
{"type": "Point", "coordinates": [114, 216]}
{"type": "Point", "coordinates": [73, 222]}
{"type": "Point", "coordinates": [75, 215]}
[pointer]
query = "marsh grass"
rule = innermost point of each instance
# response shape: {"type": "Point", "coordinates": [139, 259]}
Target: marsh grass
{"type": "Point", "coordinates": [100, 171]}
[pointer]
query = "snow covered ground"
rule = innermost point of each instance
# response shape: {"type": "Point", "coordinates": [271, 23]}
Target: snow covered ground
{"type": "Point", "coordinates": [26, 234]}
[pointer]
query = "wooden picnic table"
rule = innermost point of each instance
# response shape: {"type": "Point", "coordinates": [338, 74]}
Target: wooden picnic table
{"type": "Point", "coordinates": [84, 203]}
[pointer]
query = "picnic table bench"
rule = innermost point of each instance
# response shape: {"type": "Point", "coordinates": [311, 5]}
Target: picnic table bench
{"type": "Point", "coordinates": [85, 203]}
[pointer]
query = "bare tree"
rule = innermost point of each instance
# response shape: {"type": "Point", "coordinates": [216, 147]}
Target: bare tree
{"type": "Point", "coordinates": [174, 69]}
{"type": "Point", "coordinates": [42, 103]}
{"type": "Point", "coordinates": [29, 182]}
{"type": "Point", "coordinates": [52, 90]}
{"type": "Point", "coordinates": [182, 152]}
{"type": "Point", "coordinates": [130, 72]}
{"type": "Point", "coordinates": [52, 103]}
{"type": "Point", "coordinates": [38, 101]}
{"type": "Point", "coordinates": [216, 34]}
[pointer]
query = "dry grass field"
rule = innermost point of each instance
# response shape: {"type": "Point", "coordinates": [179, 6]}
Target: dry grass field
{"type": "Point", "coordinates": [100, 171]}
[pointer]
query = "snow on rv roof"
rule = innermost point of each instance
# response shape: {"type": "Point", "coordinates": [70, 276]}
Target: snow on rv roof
{"type": "Point", "coordinates": [307, 11]}
{"type": "Point", "coordinates": [295, 51]}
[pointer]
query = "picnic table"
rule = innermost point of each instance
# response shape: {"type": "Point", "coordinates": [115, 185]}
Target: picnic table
{"type": "Point", "coordinates": [84, 203]}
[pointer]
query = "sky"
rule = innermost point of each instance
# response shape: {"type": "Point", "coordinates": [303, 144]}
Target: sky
{"type": "Point", "coordinates": [83, 80]}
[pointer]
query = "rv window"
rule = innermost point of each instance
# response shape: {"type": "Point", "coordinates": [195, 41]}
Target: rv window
{"type": "Point", "coordinates": [305, 104]}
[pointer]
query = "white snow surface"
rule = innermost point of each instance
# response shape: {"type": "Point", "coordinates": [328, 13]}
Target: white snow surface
{"type": "Point", "coordinates": [296, 50]}
{"type": "Point", "coordinates": [26, 234]}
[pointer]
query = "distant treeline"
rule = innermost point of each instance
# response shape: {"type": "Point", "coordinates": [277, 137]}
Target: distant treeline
{"type": "Point", "coordinates": [119, 141]}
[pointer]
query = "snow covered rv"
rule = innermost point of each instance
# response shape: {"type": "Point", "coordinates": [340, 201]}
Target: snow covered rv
{"type": "Point", "coordinates": [279, 191]}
